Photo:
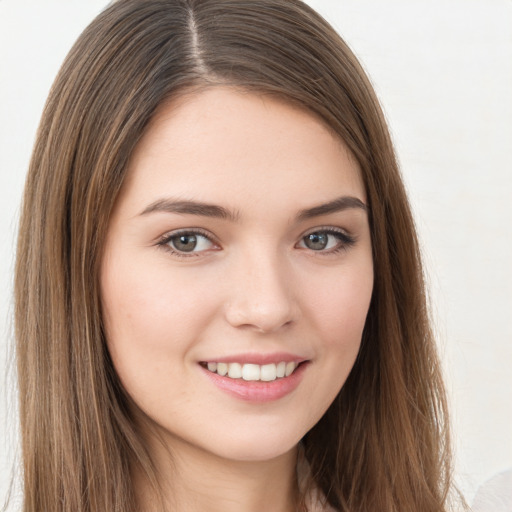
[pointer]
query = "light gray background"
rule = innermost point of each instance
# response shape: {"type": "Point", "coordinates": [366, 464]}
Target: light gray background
{"type": "Point", "coordinates": [443, 71]}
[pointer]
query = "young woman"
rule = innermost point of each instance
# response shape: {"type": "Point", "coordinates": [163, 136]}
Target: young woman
{"type": "Point", "coordinates": [219, 293]}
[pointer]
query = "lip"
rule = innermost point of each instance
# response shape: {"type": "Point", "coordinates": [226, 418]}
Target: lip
{"type": "Point", "coordinates": [260, 359]}
{"type": "Point", "coordinates": [257, 391]}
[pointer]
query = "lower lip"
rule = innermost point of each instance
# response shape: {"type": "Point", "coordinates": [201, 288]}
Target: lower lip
{"type": "Point", "coordinates": [258, 391]}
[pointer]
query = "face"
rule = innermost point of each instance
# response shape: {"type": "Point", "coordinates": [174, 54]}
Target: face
{"type": "Point", "coordinates": [237, 273]}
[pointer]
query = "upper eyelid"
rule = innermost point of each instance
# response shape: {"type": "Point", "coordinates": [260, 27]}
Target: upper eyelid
{"type": "Point", "coordinates": [163, 239]}
{"type": "Point", "coordinates": [187, 231]}
{"type": "Point", "coordinates": [164, 243]}
{"type": "Point", "coordinates": [346, 237]}
{"type": "Point", "coordinates": [328, 229]}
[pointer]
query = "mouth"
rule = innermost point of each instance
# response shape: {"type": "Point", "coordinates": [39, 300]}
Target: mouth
{"type": "Point", "coordinates": [252, 372]}
{"type": "Point", "coordinates": [275, 377]}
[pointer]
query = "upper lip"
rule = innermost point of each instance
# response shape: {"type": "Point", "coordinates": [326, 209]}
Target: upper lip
{"type": "Point", "coordinates": [259, 359]}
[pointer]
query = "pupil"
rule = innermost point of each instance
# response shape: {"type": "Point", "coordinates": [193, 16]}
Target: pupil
{"type": "Point", "coordinates": [317, 241]}
{"type": "Point", "coordinates": [185, 243]}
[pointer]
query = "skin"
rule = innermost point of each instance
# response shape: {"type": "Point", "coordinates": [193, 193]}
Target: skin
{"type": "Point", "coordinates": [255, 287]}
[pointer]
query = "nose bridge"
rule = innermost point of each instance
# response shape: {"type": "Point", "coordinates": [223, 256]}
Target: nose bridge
{"type": "Point", "coordinates": [261, 293]}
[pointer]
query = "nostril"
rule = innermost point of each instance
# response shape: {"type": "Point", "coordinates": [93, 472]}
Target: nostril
{"type": "Point", "coordinates": [263, 318]}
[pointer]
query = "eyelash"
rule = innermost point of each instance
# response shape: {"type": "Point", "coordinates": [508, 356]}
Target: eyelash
{"type": "Point", "coordinates": [345, 241]}
{"type": "Point", "coordinates": [165, 241]}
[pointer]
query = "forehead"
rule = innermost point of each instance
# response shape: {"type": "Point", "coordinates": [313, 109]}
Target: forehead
{"type": "Point", "coordinates": [227, 145]}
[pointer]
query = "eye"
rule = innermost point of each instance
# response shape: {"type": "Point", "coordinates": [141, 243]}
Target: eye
{"type": "Point", "coordinates": [186, 243]}
{"type": "Point", "coordinates": [326, 240]}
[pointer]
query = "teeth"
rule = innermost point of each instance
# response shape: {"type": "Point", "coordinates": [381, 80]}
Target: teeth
{"type": "Point", "coordinates": [222, 369]}
{"type": "Point", "coordinates": [268, 372]}
{"type": "Point", "coordinates": [289, 369]}
{"type": "Point", "coordinates": [250, 372]}
{"type": "Point", "coordinates": [234, 370]}
{"type": "Point", "coordinates": [253, 372]}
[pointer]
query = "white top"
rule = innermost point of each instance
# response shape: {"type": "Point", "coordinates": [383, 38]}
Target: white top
{"type": "Point", "coordinates": [314, 499]}
{"type": "Point", "coordinates": [495, 495]}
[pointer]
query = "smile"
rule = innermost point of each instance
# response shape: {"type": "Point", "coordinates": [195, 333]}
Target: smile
{"type": "Point", "coordinates": [252, 372]}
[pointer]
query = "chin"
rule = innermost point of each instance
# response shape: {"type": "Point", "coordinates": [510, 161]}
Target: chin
{"type": "Point", "coordinates": [239, 443]}
{"type": "Point", "coordinates": [257, 451]}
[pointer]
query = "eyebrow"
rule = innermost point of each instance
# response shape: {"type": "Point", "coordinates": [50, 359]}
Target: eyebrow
{"type": "Point", "coordinates": [337, 205]}
{"type": "Point", "coordinates": [211, 210]}
{"type": "Point", "coordinates": [191, 208]}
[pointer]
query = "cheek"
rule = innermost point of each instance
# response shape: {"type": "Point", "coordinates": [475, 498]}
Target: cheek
{"type": "Point", "coordinates": [339, 311]}
{"type": "Point", "coordinates": [338, 316]}
{"type": "Point", "coordinates": [149, 303]}
{"type": "Point", "coordinates": [152, 318]}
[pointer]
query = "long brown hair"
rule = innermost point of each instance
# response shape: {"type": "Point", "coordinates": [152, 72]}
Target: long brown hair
{"type": "Point", "coordinates": [383, 445]}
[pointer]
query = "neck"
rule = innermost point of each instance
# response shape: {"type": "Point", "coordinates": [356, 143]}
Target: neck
{"type": "Point", "coordinates": [193, 480]}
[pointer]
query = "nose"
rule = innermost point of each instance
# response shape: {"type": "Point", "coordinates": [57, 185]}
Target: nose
{"type": "Point", "coordinates": [261, 295]}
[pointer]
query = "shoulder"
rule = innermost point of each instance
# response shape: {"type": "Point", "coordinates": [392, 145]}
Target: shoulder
{"type": "Point", "coordinates": [315, 501]}
{"type": "Point", "coordinates": [319, 507]}
{"type": "Point", "coordinates": [495, 495]}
